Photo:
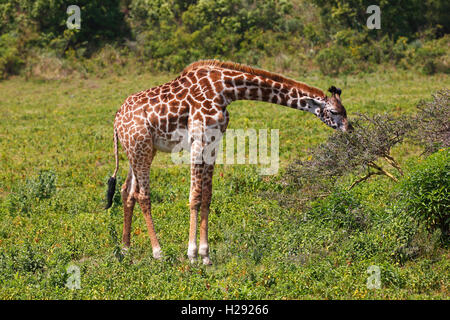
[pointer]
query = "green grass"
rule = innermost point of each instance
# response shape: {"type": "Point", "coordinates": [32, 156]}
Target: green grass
{"type": "Point", "coordinates": [260, 249]}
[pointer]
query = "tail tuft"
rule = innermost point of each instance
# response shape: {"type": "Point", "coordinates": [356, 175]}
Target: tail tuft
{"type": "Point", "coordinates": [110, 193]}
{"type": "Point", "coordinates": [112, 180]}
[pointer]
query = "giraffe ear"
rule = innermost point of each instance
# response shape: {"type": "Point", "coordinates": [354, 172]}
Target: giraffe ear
{"type": "Point", "coordinates": [333, 90]}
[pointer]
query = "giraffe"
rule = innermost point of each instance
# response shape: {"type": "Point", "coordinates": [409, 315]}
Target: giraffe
{"type": "Point", "coordinates": [196, 101]}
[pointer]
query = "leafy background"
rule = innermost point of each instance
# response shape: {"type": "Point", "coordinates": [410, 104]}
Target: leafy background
{"type": "Point", "coordinates": [166, 35]}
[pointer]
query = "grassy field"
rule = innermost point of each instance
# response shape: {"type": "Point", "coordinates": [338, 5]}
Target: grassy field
{"type": "Point", "coordinates": [260, 249]}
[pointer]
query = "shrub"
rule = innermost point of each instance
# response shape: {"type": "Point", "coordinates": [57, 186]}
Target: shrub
{"type": "Point", "coordinates": [43, 186]}
{"type": "Point", "coordinates": [40, 187]}
{"type": "Point", "coordinates": [174, 34]}
{"type": "Point", "coordinates": [26, 258]}
{"type": "Point", "coordinates": [101, 20]}
{"type": "Point", "coordinates": [426, 192]}
{"type": "Point", "coordinates": [344, 153]}
{"type": "Point", "coordinates": [341, 209]}
{"type": "Point", "coordinates": [334, 60]}
{"type": "Point", "coordinates": [47, 67]}
{"type": "Point", "coordinates": [10, 60]}
{"type": "Point", "coordinates": [433, 127]}
{"type": "Point", "coordinates": [433, 56]}
{"type": "Point", "coordinates": [167, 35]}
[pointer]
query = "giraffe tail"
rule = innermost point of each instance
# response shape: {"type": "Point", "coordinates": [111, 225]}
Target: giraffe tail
{"type": "Point", "coordinates": [112, 180]}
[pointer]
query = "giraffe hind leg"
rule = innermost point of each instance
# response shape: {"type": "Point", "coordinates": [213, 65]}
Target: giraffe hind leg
{"type": "Point", "coordinates": [128, 200]}
{"type": "Point", "coordinates": [141, 169]}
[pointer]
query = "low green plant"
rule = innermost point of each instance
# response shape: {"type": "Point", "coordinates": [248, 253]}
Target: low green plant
{"type": "Point", "coordinates": [426, 192]}
{"type": "Point", "coordinates": [40, 187]}
{"type": "Point", "coordinates": [22, 259]}
{"type": "Point", "coordinates": [341, 209]}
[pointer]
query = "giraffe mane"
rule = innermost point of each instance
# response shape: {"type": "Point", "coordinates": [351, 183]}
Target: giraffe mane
{"type": "Point", "coordinates": [311, 91]}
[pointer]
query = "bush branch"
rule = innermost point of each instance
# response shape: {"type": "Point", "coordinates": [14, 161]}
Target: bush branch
{"type": "Point", "coordinates": [393, 163]}
{"type": "Point", "coordinates": [367, 176]}
{"type": "Point", "coordinates": [382, 171]}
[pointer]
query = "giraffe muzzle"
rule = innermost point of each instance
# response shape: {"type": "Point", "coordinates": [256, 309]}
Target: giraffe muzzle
{"type": "Point", "coordinates": [349, 128]}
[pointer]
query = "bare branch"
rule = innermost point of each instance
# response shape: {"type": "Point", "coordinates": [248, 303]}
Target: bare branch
{"type": "Point", "coordinates": [393, 163]}
{"type": "Point", "coordinates": [367, 176]}
{"type": "Point", "coordinates": [382, 171]}
{"type": "Point", "coordinates": [343, 153]}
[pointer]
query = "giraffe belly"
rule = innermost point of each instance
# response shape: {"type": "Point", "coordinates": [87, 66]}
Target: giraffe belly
{"type": "Point", "coordinates": [169, 145]}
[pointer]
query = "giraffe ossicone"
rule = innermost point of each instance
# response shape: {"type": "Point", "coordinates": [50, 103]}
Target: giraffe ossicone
{"type": "Point", "coordinates": [196, 103]}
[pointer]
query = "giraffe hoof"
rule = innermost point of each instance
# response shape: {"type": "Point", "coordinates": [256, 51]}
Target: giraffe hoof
{"type": "Point", "coordinates": [192, 253]}
{"type": "Point", "coordinates": [125, 251]}
{"type": "Point", "coordinates": [206, 261]}
{"type": "Point", "coordinates": [157, 254]}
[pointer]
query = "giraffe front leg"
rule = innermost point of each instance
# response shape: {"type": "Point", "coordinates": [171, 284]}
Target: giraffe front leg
{"type": "Point", "coordinates": [204, 212]}
{"type": "Point", "coordinates": [195, 199]}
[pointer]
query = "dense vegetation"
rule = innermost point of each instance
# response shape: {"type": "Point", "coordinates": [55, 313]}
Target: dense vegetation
{"type": "Point", "coordinates": [166, 35]}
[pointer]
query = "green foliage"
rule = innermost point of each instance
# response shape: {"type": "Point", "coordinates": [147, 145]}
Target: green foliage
{"type": "Point", "coordinates": [43, 186]}
{"type": "Point", "coordinates": [433, 56]}
{"type": "Point", "coordinates": [175, 33]}
{"type": "Point", "coordinates": [27, 259]}
{"type": "Point", "coordinates": [100, 20]}
{"type": "Point", "coordinates": [10, 60]}
{"type": "Point", "coordinates": [33, 190]}
{"type": "Point", "coordinates": [166, 35]}
{"type": "Point", "coordinates": [426, 192]}
{"type": "Point", "coordinates": [352, 52]}
{"type": "Point", "coordinates": [341, 210]}
{"type": "Point", "coordinates": [402, 18]}
{"type": "Point", "coordinates": [334, 60]}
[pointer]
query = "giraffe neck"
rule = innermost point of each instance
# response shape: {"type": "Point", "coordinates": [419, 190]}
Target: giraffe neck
{"type": "Point", "coordinates": [245, 86]}
{"type": "Point", "coordinates": [225, 82]}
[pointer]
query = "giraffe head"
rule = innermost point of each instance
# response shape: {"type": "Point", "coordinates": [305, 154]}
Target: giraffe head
{"type": "Point", "coordinates": [330, 110]}
{"type": "Point", "coordinates": [334, 114]}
